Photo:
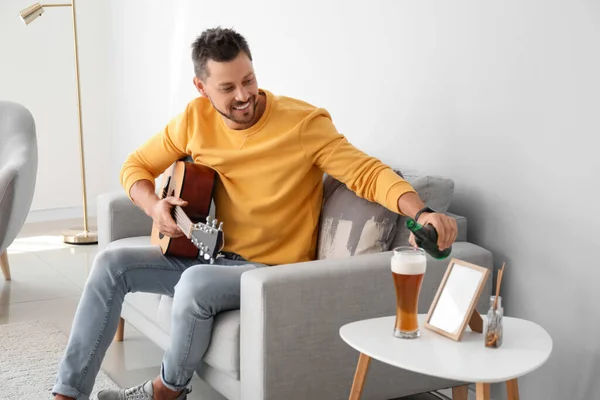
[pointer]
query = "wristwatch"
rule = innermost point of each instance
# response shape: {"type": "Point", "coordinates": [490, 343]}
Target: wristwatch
{"type": "Point", "coordinates": [424, 209]}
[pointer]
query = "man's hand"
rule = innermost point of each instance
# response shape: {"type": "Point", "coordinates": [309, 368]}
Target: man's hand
{"type": "Point", "coordinates": [444, 225]}
{"type": "Point", "coordinates": [161, 215]}
{"type": "Point", "coordinates": [143, 195]}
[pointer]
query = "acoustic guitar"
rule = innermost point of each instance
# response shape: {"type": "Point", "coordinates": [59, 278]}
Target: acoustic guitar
{"type": "Point", "coordinates": [195, 184]}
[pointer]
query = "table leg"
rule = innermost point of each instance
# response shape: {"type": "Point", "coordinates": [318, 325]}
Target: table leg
{"type": "Point", "coordinates": [512, 389]}
{"type": "Point", "coordinates": [483, 391]}
{"type": "Point", "coordinates": [460, 392]}
{"type": "Point", "coordinates": [359, 377]}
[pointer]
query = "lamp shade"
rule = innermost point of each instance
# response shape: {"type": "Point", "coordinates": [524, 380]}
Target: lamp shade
{"type": "Point", "coordinates": [31, 13]}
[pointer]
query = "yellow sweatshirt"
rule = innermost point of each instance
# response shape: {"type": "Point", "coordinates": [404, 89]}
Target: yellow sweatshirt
{"type": "Point", "coordinates": [269, 190]}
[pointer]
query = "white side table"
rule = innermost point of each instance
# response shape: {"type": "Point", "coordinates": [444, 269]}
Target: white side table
{"type": "Point", "coordinates": [526, 347]}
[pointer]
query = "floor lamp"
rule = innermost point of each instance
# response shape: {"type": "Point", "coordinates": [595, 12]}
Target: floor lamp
{"type": "Point", "coordinates": [73, 236]}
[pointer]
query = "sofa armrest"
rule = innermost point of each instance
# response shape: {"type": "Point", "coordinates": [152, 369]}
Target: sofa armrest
{"type": "Point", "coordinates": [119, 218]}
{"type": "Point", "coordinates": [291, 315]}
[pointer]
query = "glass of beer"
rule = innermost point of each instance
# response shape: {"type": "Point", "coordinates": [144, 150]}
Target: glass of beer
{"type": "Point", "coordinates": [408, 270]}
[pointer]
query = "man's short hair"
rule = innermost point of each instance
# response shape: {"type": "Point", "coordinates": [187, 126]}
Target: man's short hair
{"type": "Point", "coordinates": [217, 44]}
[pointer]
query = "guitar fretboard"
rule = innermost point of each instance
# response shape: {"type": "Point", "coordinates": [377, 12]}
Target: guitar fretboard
{"type": "Point", "coordinates": [182, 220]}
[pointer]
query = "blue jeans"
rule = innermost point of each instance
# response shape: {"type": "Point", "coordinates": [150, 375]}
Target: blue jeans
{"type": "Point", "coordinates": [199, 292]}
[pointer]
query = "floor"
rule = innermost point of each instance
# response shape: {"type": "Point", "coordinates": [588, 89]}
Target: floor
{"type": "Point", "coordinates": [48, 278]}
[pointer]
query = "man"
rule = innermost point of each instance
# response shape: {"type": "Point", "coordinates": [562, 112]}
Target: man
{"type": "Point", "coordinates": [270, 154]}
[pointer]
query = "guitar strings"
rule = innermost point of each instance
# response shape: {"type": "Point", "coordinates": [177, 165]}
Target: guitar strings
{"type": "Point", "coordinates": [183, 220]}
{"type": "Point", "coordinates": [187, 223]}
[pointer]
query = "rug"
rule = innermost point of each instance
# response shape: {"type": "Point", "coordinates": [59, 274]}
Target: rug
{"type": "Point", "coordinates": [30, 352]}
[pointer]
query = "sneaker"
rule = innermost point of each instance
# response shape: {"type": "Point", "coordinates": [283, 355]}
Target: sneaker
{"type": "Point", "coordinates": [145, 391]}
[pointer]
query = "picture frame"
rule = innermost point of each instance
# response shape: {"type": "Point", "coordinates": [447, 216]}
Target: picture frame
{"type": "Point", "coordinates": [453, 307]}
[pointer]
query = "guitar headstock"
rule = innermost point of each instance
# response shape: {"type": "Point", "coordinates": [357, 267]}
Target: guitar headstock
{"type": "Point", "coordinates": [208, 237]}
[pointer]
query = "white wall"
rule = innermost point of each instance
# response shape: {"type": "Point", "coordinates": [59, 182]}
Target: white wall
{"type": "Point", "coordinates": [37, 69]}
{"type": "Point", "coordinates": [500, 96]}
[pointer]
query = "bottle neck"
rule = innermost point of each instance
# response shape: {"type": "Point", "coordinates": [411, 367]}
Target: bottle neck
{"type": "Point", "coordinates": [493, 299]}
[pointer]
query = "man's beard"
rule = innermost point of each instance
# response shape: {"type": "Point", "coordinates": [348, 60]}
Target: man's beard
{"type": "Point", "coordinates": [253, 106]}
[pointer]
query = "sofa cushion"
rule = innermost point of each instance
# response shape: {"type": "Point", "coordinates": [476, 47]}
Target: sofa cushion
{"type": "Point", "coordinates": [350, 225]}
{"type": "Point", "coordinates": [223, 352]}
{"type": "Point", "coordinates": [435, 191]}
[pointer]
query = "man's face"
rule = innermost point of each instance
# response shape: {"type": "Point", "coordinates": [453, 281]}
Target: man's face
{"type": "Point", "coordinates": [232, 89]}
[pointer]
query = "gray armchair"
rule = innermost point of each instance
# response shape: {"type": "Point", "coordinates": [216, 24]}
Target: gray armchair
{"type": "Point", "coordinates": [18, 172]}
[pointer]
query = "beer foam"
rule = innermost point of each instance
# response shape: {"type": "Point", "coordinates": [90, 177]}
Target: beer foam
{"type": "Point", "coordinates": [409, 264]}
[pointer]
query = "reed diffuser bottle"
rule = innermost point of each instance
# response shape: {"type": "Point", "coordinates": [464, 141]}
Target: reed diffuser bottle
{"type": "Point", "coordinates": [494, 331]}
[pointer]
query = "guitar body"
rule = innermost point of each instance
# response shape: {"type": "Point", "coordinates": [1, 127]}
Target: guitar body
{"type": "Point", "coordinates": [193, 183]}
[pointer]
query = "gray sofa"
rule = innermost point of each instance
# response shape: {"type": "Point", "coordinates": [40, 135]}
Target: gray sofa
{"type": "Point", "coordinates": [284, 341]}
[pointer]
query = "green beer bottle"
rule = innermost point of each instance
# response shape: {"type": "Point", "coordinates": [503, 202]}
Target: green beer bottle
{"type": "Point", "coordinates": [426, 238]}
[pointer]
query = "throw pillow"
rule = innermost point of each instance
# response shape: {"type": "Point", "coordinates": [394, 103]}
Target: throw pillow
{"type": "Point", "coordinates": [351, 225]}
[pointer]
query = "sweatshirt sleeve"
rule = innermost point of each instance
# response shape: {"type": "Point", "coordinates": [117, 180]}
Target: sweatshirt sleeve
{"type": "Point", "coordinates": [157, 154]}
{"type": "Point", "coordinates": [367, 176]}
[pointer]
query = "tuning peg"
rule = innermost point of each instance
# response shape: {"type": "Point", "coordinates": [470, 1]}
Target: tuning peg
{"type": "Point", "coordinates": [221, 225]}
{"type": "Point", "coordinates": [208, 220]}
{"type": "Point", "coordinates": [214, 223]}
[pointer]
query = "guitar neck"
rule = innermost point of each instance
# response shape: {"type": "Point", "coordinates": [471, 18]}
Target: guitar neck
{"type": "Point", "coordinates": [182, 220]}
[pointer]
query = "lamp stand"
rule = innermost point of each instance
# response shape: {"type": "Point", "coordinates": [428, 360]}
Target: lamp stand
{"type": "Point", "coordinates": [72, 236]}
{"type": "Point", "coordinates": [86, 236]}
